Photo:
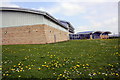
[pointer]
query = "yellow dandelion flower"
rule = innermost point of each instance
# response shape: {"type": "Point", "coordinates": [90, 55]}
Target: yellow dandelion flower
{"type": "Point", "coordinates": [94, 73]}
{"type": "Point", "coordinates": [29, 68]}
{"type": "Point", "coordinates": [63, 75]}
{"type": "Point", "coordinates": [26, 66]}
{"type": "Point", "coordinates": [112, 69]}
{"type": "Point", "coordinates": [117, 74]}
{"type": "Point", "coordinates": [3, 74]}
{"type": "Point", "coordinates": [43, 65]}
{"type": "Point", "coordinates": [87, 64]}
{"type": "Point", "coordinates": [106, 74]}
{"type": "Point", "coordinates": [83, 67]}
{"type": "Point", "coordinates": [12, 69]}
{"type": "Point", "coordinates": [78, 65]}
{"type": "Point", "coordinates": [25, 58]}
{"type": "Point", "coordinates": [60, 74]}
{"type": "Point", "coordinates": [14, 66]}
{"type": "Point", "coordinates": [19, 76]}
{"type": "Point", "coordinates": [21, 70]}
{"type": "Point", "coordinates": [99, 72]}
{"type": "Point", "coordinates": [19, 64]}
{"type": "Point", "coordinates": [7, 74]}
{"type": "Point", "coordinates": [90, 77]}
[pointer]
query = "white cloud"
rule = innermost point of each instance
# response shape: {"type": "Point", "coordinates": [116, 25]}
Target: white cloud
{"type": "Point", "coordinates": [105, 25]}
{"type": "Point", "coordinates": [65, 8]}
{"type": "Point", "coordinates": [8, 4]}
{"type": "Point", "coordinates": [61, 0]}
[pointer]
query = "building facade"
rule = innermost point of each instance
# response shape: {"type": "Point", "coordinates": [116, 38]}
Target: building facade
{"type": "Point", "coordinates": [26, 26]}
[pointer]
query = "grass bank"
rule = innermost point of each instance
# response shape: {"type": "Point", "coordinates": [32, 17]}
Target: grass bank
{"type": "Point", "coordinates": [72, 59]}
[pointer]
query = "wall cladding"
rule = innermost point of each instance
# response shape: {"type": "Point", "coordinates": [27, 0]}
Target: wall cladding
{"type": "Point", "coordinates": [13, 19]}
{"type": "Point", "coordinates": [34, 34]}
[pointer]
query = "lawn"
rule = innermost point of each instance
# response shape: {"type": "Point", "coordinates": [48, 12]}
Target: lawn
{"type": "Point", "coordinates": [72, 59]}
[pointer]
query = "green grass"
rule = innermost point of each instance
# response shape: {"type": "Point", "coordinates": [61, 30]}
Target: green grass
{"type": "Point", "coordinates": [71, 59]}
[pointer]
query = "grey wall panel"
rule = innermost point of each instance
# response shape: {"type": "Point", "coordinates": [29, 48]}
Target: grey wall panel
{"type": "Point", "coordinates": [19, 19]}
{"type": "Point", "coordinates": [11, 19]}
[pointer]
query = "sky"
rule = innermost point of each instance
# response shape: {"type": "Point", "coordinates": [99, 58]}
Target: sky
{"type": "Point", "coordinates": [90, 15]}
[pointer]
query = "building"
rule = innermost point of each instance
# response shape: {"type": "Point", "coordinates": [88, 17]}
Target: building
{"type": "Point", "coordinates": [90, 35]}
{"type": "Point", "coordinates": [67, 24]}
{"type": "Point", "coordinates": [26, 26]}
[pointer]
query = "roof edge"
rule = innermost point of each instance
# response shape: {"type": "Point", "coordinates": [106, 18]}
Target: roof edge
{"type": "Point", "coordinates": [33, 11]}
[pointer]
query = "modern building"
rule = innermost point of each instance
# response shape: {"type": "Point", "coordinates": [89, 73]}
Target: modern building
{"type": "Point", "coordinates": [90, 35]}
{"type": "Point", "coordinates": [67, 24]}
{"type": "Point", "coordinates": [26, 26]}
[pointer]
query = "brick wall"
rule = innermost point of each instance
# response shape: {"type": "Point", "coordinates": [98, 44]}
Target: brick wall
{"type": "Point", "coordinates": [35, 34]}
{"type": "Point", "coordinates": [55, 35]}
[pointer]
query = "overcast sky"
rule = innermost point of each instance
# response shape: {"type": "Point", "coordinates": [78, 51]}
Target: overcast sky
{"type": "Point", "coordinates": [84, 16]}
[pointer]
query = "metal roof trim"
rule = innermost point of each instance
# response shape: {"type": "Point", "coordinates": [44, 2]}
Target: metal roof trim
{"type": "Point", "coordinates": [33, 11]}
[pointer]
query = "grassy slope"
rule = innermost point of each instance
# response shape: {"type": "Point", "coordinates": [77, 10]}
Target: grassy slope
{"type": "Point", "coordinates": [72, 59]}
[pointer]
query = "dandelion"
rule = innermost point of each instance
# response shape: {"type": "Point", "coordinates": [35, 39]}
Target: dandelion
{"type": "Point", "coordinates": [7, 74]}
{"type": "Point", "coordinates": [19, 64]}
{"type": "Point", "coordinates": [78, 65]}
{"type": "Point", "coordinates": [39, 68]}
{"type": "Point", "coordinates": [29, 68]}
{"type": "Point", "coordinates": [94, 73]}
{"type": "Point", "coordinates": [3, 74]}
{"type": "Point", "coordinates": [99, 72]}
{"type": "Point", "coordinates": [60, 75]}
{"type": "Point", "coordinates": [90, 77]}
{"type": "Point", "coordinates": [26, 66]}
{"type": "Point", "coordinates": [63, 75]}
{"type": "Point", "coordinates": [12, 69]}
{"type": "Point", "coordinates": [25, 58]}
{"type": "Point", "coordinates": [83, 67]}
{"type": "Point", "coordinates": [20, 70]}
{"type": "Point", "coordinates": [117, 74]}
{"type": "Point", "coordinates": [87, 64]}
{"type": "Point", "coordinates": [106, 74]}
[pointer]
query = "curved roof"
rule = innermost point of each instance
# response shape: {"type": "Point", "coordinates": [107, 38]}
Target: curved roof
{"type": "Point", "coordinates": [92, 32]}
{"type": "Point", "coordinates": [34, 12]}
{"type": "Point", "coordinates": [66, 22]}
{"type": "Point", "coordinates": [107, 32]}
{"type": "Point", "coordinates": [97, 32]}
{"type": "Point", "coordinates": [71, 29]}
{"type": "Point", "coordinates": [85, 32]}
